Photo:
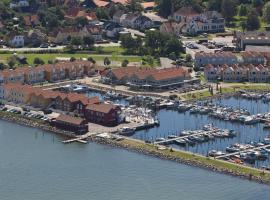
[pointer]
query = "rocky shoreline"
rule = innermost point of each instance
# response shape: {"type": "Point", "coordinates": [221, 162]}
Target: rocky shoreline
{"type": "Point", "coordinates": [167, 156]}
{"type": "Point", "coordinates": [35, 124]}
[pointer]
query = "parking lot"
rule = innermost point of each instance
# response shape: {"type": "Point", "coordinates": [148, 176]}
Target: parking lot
{"type": "Point", "coordinates": [27, 113]}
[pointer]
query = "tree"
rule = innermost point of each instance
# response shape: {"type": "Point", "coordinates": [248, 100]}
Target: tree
{"type": "Point", "coordinates": [76, 41]}
{"type": "Point", "coordinates": [72, 59]}
{"type": "Point", "coordinates": [173, 45]}
{"type": "Point", "coordinates": [107, 61]}
{"type": "Point", "coordinates": [164, 7]}
{"type": "Point", "coordinates": [242, 10]}
{"type": "Point", "coordinates": [88, 40]}
{"type": "Point", "coordinates": [38, 61]}
{"type": "Point", "coordinates": [188, 58]}
{"type": "Point", "coordinates": [266, 12]}
{"type": "Point", "coordinates": [243, 25]}
{"type": "Point", "coordinates": [131, 44]}
{"type": "Point", "coordinates": [228, 9]}
{"type": "Point", "coordinates": [2, 66]}
{"type": "Point", "coordinates": [82, 21]}
{"type": "Point", "coordinates": [125, 63]}
{"type": "Point", "coordinates": [253, 22]}
{"type": "Point", "coordinates": [91, 60]}
{"type": "Point", "coordinates": [134, 6]}
{"type": "Point", "coordinates": [214, 5]}
{"type": "Point", "coordinates": [102, 13]}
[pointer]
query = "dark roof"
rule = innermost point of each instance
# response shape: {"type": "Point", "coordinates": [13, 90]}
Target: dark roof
{"type": "Point", "coordinates": [70, 119]}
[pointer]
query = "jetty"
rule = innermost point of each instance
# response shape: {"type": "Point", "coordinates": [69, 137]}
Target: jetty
{"type": "Point", "coordinates": [81, 139]}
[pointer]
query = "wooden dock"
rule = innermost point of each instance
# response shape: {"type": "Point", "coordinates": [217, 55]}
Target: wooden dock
{"type": "Point", "coordinates": [81, 139]}
{"type": "Point", "coordinates": [243, 151]}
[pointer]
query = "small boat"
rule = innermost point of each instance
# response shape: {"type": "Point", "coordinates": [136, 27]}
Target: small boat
{"type": "Point", "coordinates": [161, 139]}
{"type": "Point", "coordinates": [172, 136]}
{"type": "Point", "coordinates": [126, 131]}
{"type": "Point", "coordinates": [180, 142]}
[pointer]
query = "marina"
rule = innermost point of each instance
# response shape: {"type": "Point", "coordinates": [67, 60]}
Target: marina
{"type": "Point", "coordinates": [70, 168]}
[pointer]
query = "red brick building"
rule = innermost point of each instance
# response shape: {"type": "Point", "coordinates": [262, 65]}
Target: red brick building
{"type": "Point", "coordinates": [69, 123]}
{"type": "Point", "coordinates": [105, 114]}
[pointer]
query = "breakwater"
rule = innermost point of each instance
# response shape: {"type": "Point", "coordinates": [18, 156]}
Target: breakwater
{"type": "Point", "coordinates": [186, 158]}
{"type": "Point", "coordinates": [190, 159]}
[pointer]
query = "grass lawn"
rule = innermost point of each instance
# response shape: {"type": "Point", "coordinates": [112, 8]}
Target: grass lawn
{"type": "Point", "coordinates": [46, 57]}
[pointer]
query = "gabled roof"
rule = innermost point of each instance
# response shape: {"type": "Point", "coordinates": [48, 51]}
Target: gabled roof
{"type": "Point", "coordinates": [102, 107]}
{"type": "Point", "coordinates": [70, 120]}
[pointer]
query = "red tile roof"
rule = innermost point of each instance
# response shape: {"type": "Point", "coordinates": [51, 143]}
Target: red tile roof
{"type": "Point", "coordinates": [143, 73]}
{"type": "Point", "coordinates": [100, 3]}
{"type": "Point", "coordinates": [146, 5]}
{"type": "Point", "coordinates": [101, 108]}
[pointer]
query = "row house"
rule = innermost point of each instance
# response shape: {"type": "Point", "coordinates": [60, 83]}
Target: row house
{"type": "Point", "coordinates": [11, 76]}
{"type": "Point", "coordinates": [255, 58]}
{"type": "Point", "coordinates": [48, 72]}
{"type": "Point", "coordinates": [237, 73]}
{"type": "Point", "coordinates": [211, 73]}
{"type": "Point", "coordinates": [33, 75]}
{"type": "Point", "coordinates": [219, 58]}
{"type": "Point", "coordinates": [16, 93]}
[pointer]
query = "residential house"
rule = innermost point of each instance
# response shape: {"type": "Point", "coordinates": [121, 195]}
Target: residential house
{"type": "Point", "coordinates": [11, 76]}
{"type": "Point", "coordinates": [148, 6]}
{"type": "Point", "coordinates": [94, 3]}
{"type": "Point", "coordinates": [64, 35]}
{"type": "Point", "coordinates": [31, 20]}
{"type": "Point", "coordinates": [18, 4]}
{"type": "Point", "coordinates": [195, 22]}
{"type": "Point", "coordinates": [35, 38]}
{"type": "Point", "coordinates": [95, 31]}
{"type": "Point", "coordinates": [211, 73]}
{"type": "Point", "coordinates": [105, 114]}
{"type": "Point", "coordinates": [112, 29]}
{"type": "Point", "coordinates": [118, 16]}
{"type": "Point", "coordinates": [17, 93]}
{"type": "Point", "coordinates": [33, 75]}
{"type": "Point", "coordinates": [76, 12]}
{"type": "Point", "coordinates": [16, 41]}
{"type": "Point", "coordinates": [172, 28]}
{"type": "Point", "coordinates": [142, 22]}
{"type": "Point", "coordinates": [253, 58]}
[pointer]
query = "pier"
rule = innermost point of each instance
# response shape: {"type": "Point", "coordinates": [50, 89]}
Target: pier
{"type": "Point", "coordinates": [243, 151]}
{"type": "Point", "coordinates": [168, 141]}
{"type": "Point", "coordinates": [81, 139]}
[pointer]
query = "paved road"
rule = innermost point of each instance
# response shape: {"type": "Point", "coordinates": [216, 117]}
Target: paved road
{"type": "Point", "coordinates": [32, 49]}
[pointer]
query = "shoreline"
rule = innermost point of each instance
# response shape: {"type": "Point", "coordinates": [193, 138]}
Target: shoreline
{"type": "Point", "coordinates": [178, 156]}
{"type": "Point", "coordinates": [151, 150]}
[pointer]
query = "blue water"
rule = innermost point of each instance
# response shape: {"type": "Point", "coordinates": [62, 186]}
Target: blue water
{"type": "Point", "coordinates": [102, 95]}
{"type": "Point", "coordinates": [36, 165]}
{"type": "Point", "coordinates": [172, 122]}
